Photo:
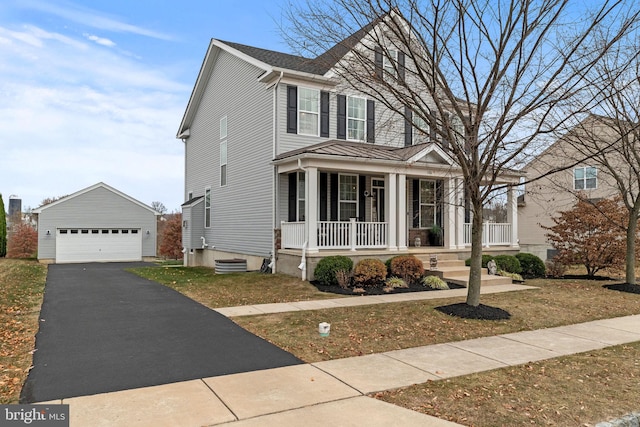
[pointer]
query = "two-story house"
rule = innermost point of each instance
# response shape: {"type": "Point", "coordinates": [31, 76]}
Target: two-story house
{"type": "Point", "coordinates": [284, 159]}
{"type": "Point", "coordinates": [567, 169]}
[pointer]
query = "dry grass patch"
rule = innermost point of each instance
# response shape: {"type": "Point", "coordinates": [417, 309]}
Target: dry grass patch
{"type": "Point", "coordinates": [579, 390]}
{"type": "Point", "coordinates": [229, 290]}
{"type": "Point", "coordinates": [20, 301]}
{"type": "Point", "coordinates": [370, 329]}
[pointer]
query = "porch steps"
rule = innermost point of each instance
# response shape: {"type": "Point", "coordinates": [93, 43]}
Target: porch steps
{"type": "Point", "coordinates": [452, 269]}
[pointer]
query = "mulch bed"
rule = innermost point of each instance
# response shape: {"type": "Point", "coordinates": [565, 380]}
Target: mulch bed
{"type": "Point", "coordinates": [481, 312]}
{"type": "Point", "coordinates": [624, 287]}
{"type": "Point", "coordinates": [378, 290]}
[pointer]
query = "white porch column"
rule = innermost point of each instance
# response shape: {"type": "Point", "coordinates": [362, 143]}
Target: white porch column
{"type": "Point", "coordinates": [512, 215]}
{"type": "Point", "coordinates": [402, 212]}
{"type": "Point", "coordinates": [311, 208]}
{"type": "Point", "coordinates": [450, 200]}
{"type": "Point", "coordinates": [459, 195]}
{"type": "Point", "coordinates": [392, 211]}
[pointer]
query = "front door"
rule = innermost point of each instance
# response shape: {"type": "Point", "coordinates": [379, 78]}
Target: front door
{"type": "Point", "coordinates": [377, 200]}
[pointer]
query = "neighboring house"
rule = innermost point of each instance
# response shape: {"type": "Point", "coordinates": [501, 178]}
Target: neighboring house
{"type": "Point", "coordinates": [283, 158]}
{"type": "Point", "coordinates": [543, 199]}
{"type": "Point", "coordinates": [97, 224]}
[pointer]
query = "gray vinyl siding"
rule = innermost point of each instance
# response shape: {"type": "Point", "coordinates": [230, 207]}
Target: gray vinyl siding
{"type": "Point", "coordinates": [242, 217]}
{"type": "Point", "coordinates": [97, 208]}
{"type": "Point", "coordinates": [194, 217]}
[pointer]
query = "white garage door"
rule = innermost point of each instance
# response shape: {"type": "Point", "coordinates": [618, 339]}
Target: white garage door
{"type": "Point", "coordinates": [98, 245]}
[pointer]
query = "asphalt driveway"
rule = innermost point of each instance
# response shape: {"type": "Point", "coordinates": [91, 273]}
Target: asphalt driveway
{"type": "Point", "coordinates": [103, 329]}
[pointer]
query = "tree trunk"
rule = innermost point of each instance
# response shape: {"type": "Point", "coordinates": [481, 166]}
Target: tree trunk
{"type": "Point", "coordinates": [630, 261]}
{"type": "Point", "coordinates": [475, 273]}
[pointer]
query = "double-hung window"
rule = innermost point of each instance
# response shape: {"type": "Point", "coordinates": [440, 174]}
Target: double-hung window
{"type": "Point", "coordinates": [427, 203]}
{"type": "Point", "coordinates": [348, 197]}
{"type": "Point", "coordinates": [389, 61]}
{"type": "Point", "coordinates": [207, 207]}
{"type": "Point", "coordinates": [356, 118]}
{"type": "Point", "coordinates": [585, 178]}
{"type": "Point", "coordinates": [421, 125]}
{"type": "Point", "coordinates": [308, 111]}
{"type": "Point", "coordinates": [223, 151]}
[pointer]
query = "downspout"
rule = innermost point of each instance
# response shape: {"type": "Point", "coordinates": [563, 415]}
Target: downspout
{"type": "Point", "coordinates": [303, 258]}
{"type": "Point", "coordinates": [274, 185]}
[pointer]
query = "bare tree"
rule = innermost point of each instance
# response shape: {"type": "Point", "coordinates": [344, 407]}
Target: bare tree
{"type": "Point", "coordinates": [159, 207]}
{"type": "Point", "coordinates": [489, 77]}
{"type": "Point", "coordinates": [612, 139]}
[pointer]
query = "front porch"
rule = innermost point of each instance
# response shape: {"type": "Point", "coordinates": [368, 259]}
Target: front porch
{"type": "Point", "coordinates": [354, 235]}
{"type": "Point", "coordinates": [356, 197]}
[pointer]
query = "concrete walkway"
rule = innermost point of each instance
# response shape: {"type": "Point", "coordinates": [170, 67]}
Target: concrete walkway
{"type": "Point", "coordinates": [334, 392]}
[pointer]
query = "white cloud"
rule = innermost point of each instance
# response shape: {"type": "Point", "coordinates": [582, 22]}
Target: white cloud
{"type": "Point", "coordinates": [100, 40]}
{"type": "Point", "coordinates": [74, 113]}
{"type": "Point", "coordinates": [92, 18]}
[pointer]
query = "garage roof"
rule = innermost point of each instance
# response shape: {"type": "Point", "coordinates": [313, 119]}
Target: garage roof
{"type": "Point", "coordinates": [93, 187]}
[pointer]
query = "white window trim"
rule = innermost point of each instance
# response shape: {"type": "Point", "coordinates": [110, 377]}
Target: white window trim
{"type": "Point", "coordinates": [223, 127]}
{"type": "Point", "coordinates": [207, 209]}
{"type": "Point", "coordinates": [341, 200]}
{"type": "Point", "coordinates": [584, 178]}
{"type": "Point", "coordinates": [223, 162]}
{"type": "Point", "coordinates": [301, 111]}
{"type": "Point", "coordinates": [390, 57]}
{"type": "Point", "coordinates": [421, 203]}
{"type": "Point", "coordinates": [364, 120]}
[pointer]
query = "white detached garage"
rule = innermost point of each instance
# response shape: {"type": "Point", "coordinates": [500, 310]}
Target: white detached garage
{"type": "Point", "coordinates": [97, 224]}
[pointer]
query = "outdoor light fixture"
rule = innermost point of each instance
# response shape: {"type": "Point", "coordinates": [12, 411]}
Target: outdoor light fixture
{"type": "Point", "coordinates": [48, 233]}
{"type": "Point", "coordinates": [148, 232]}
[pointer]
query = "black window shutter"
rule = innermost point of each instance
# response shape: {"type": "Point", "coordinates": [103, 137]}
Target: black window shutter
{"type": "Point", "coordinates": [293, 196]}
{"type": "Point", "coordinates": [361, 202]}
{"type": "Point", "coordinates": [416, 203]}
{"type": "Point", "coordinates": [408, 128]}
{"type": "Point", "coordinates": [401, 69]}
{"type": "Point", "coordinates": [324, 114]}
{"type": "Point", "coordinates": [323, 196]}
{"type": "Point", "coordinates": [378, 61]}
{"type": "Point", "coordinates": [445, 141]}
{"type": "Point", "coordinates": [342, 117]}
{"type": "Point", "coordinates": [434, 124]}
{"type": "Point", "coordinates": [371, 121]}
{"type": "Point", "coordinates": [292, 109]}
{"type": "Point", "coordinates": [334, 197]}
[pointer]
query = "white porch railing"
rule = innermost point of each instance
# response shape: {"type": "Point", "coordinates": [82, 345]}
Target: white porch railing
{"type": "Point", "coordinates": [292, 235]}
{"type": "Point", "coordinates": [337, 235]}
{"type": "Point", "coordinates": [493, 234]}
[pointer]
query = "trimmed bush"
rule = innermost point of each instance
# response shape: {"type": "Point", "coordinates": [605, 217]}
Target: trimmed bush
{"type": "Point", "coordinates": [485, 260]}
{"type": "Point", "coordinates": [434, 282]}
{"type": "Point", "coordinates": [508, 263]}
{"type": "Point", "coordinates": [532, 266]}
{"type": "Point", "coordinates": [387, 263]}
{"type": "Point", "coordinates": [369, 273]}
{"type": "Point", "coordinates": [408, 267]}
{"type": "Point", "coordinates": [325, 271]}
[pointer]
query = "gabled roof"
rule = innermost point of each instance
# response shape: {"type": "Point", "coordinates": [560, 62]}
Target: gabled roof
{"type": "Point", "coordinates": [93, 187]}
{"type": "Point", "coordinates": [273, 63]}
{"type": "Point", "coordinates": [361, 150]}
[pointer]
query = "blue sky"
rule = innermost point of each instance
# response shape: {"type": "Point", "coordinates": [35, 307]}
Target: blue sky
{"type": "Point", "coordinates": [94, 91]}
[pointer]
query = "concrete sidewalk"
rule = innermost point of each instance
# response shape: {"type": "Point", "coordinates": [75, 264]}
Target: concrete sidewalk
{"type": "Point", "coordinates": [251, 310]}
{"type": "Point", "coordinates": [334, 392]}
